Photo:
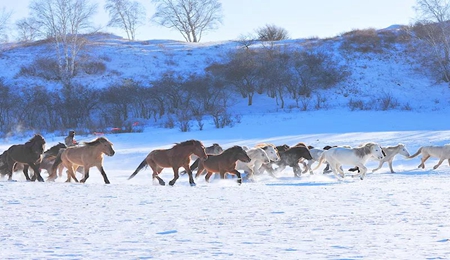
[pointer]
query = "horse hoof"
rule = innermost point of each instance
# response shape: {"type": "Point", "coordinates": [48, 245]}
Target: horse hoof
{"type": "Point", "coordinates": [193, 184]}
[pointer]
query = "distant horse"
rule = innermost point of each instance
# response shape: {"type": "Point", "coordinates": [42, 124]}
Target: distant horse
{"type": "Point", "coordinates": [214, 149]}
{"type": "Point", "coordinates": [292, 157]}
{"type": "Point", "coordinates": [337, 156]}
{"type": "Point", "coordinates": [29, 154]}
{"type": "Point", "coordinates": [175, 157]}
{"type": "Point", "coordinates": [258, 157]}
{"type": "Point", "coordinates": [88, 155]}
{"type": "Point", "coordinates": [223, 163]}
{"type": "Point", "coordinates": [390, 152]}
{"type": "Point", "coordinates": [441, 152]}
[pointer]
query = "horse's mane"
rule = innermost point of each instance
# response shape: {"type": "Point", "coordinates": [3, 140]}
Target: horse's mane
{"type": "Point", "coordinates": [97, 141]}
{"type": "Point", "coordinates": [36, 137]}
{"type": "Point", "coordinates": [188, 142]}
{"type": "Point", "coordinates": [55, 149]}
{"type": "Point", "coordinates": [233, 148]}
{"type": "Point", "coordinates": [364, 149]}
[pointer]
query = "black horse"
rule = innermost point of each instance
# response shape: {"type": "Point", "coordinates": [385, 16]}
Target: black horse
{"type": "Point", "coordinates": [29, 154]}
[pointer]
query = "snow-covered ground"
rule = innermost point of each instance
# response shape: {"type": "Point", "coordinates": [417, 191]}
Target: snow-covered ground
{"type": "Point", "coordinates": [402, 215]}
{"type": "Point", "coordinates": [386, 216]}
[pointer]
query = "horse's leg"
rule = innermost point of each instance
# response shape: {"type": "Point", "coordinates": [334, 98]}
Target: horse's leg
{"type": "Point", "coordinates": [86, 174]}
{"type": "Point", "coordinates": [390, 165]}
{"type": "Point", "coordinates": [189, 172]}
{"type": "Point", "coordinates": [156, 176]}
{"type": "Point", "coordinates": [338, 169]}
{"type": "Point", "coordinates": [422, 164]}
{"type": "Point", "coordinates": [380, 164]}
{"type": "Point", "coordinates": [37, 172]}
{"type": "Point", "coordinates": [327, 169]}
{"type": "Point", "coordinates": [439, 163]}
{"type": "Point", "coordinates": [175, 176]}
{"type": "Point", "coordinates": [71, 174]}
{"type": "Point", "coordinates": [297, 170]}
{"type": "Point", "coordinates": [363, 170]}
{"type": "Point", "coordinates": [208, 175]}
{"type": "Point", "coordinates": [102, 171]}
{"type": "Point", "coordinates": [25, 172]}
{"type": "Point", "coordinates": [305, 166]}
{"type": "Point", "coordinates": [238, 174]}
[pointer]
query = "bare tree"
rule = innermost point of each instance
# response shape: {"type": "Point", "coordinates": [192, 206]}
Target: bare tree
{"type": "Point", "coordinates": [191, 18]}
{"type": "Point", "coordinates": [64, 21]}
{"type": "Point", "coordinates": [125, 15]}
{"type": "Point", "coordinates": [4, 21]}
{"type": "Point", "coordinates": [272, 32]}
{"type": "Point", "coordinates": [27, 29]}
{"type": "Point", "coordinates": [434, 28]}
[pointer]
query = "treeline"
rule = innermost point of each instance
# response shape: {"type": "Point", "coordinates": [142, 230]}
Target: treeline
{"type": "Point", "coordinates": [172, 100]}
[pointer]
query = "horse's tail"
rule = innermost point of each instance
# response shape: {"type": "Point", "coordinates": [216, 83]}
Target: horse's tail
{"type": "Point", "coordinates": [55, 165]}
{"type": "Point", "coordinates": [142, 165]}
{"type": "Point", "coordinates": [417, 153]}
{"type": "Point", "coordinates": [321, 159]}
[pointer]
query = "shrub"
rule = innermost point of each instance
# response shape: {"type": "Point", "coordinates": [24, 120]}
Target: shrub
{"type": "Point", "coordinates": [93, 67]}
{"type": "Point", "coordinates": [361, 40]}
{"type": "Point", "coordinates": [46, 68]}
{"type": "Point", "coordinates": [388, 101]}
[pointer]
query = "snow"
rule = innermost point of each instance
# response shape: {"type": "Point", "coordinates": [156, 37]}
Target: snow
{"type": "Point", "coordinates": [402, 215]}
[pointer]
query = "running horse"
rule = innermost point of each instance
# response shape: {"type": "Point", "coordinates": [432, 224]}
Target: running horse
{"type": "Point", "coordinates": [223, 163]}
{"type": "Point", "coordinates": [28, 154]}
{"type": "Point", "coordinates": [88, 155]}
{"type": "Point", "coordinates": [175, 157]}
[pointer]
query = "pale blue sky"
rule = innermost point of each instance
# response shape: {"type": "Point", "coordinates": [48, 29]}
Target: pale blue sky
{"type": "Point", "coordinates": [301, 18]}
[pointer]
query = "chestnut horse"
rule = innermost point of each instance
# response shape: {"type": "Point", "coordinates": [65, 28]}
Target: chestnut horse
{"type": "Point", "coordinates": [175, 157]}
{"type": "Point", "coordinates": [223, 163]}
{"type": "Point", "coordinates": [88, 155]}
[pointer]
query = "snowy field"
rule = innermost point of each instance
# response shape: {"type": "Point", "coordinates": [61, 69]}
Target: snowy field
{"type": "Point", "coordinates": [404, 215]}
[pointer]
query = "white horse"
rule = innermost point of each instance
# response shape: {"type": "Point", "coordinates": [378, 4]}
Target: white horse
{"type": "Point", "coordinates": [258, 157]}
{"type": "Point", "coordinates": [271, 151]}
{"type": "Point", "coordinates": [441, 152]}
{"type": "Point", "coordinates": [390, 153]}
{"type": "Point", "coordinates": [357, 156]}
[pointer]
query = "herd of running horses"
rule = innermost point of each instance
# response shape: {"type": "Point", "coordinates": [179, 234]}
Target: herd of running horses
{"type": "Point", "coordinates": [213, 159]}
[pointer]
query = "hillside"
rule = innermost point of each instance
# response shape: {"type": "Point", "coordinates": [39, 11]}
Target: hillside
{"type": "Point", "coordinates": [392, 73]}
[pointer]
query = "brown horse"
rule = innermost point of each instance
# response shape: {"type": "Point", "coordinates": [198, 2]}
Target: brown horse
{"type": "Point", "coordinates": [88, 155]}
{"type": "Point", "coordinates": [175, 157]}
{"type": "Point", "coordinates": [29, 154]}
{"type": "Point", "coordinates": [223, 163]}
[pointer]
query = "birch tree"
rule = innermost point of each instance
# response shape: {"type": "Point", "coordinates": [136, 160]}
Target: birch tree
{"type": "Point", "coordinates": [126, 15]}
{"type": "Point", "coordinates": [433, 27]}
{"type": "Point", "coordinates": [63, 21]}
{"type": "Point", "coordinates": [191, 18]}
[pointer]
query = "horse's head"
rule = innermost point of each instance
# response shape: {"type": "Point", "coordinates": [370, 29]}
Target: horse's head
{"type": "Point", "coordinates": [403, 151]}
{"type": "Point", "coordinates": [105, 145]}
{"type": "Point", "coordinates": [36, 144]}
{"type": "Point", "coordinates": [264, 156]}
{"type": "Point", "coordinates": [241, 154]}
{"type": "Point", "coordinates": [217, 149]}
{"type": "Point", "coordinates": [199, 149]}
{"type": "Point", "coordinates": [272, 153]}
{"type": "Point", "coordinates": [376, 151]}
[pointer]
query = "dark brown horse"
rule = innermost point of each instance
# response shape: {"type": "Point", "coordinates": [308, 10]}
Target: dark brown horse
{"type": "Point", "coordinates": [223, 163]}
{"type": "Point", "coordinates": [29, 154]}
{"type": "Point", "coordinates": [48, 159]}
{"type": "Point", "coordinates": [175, 157]}
{"type": "Point", "coordinates": [88, 155]}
